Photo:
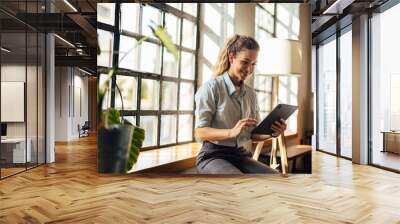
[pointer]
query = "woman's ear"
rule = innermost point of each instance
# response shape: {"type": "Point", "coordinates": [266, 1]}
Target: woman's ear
{"type": "Point", "coordinates": [230, 57]}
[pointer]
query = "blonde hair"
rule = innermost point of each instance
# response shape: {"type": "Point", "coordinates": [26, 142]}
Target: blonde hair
{"type": "Point", "coordinates": [233, 45]}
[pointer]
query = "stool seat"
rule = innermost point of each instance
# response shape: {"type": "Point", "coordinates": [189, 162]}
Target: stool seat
{"type": "Point", "coordinates": [295, 151]}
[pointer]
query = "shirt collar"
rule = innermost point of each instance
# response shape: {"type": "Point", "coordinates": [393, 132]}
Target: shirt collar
{"type": "Point", "coordinates": [231, 87]}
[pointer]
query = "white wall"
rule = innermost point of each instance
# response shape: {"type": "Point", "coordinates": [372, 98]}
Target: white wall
{"type": "Point", "coordinates": [71, 102]}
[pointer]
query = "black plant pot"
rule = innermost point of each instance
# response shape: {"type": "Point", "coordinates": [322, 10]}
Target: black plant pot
{"type": "Point", "coordinates": [113, 147]}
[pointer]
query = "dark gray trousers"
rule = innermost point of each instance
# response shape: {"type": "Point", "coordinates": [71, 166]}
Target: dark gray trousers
{"type": "Point", "coordinates": [216, 159]}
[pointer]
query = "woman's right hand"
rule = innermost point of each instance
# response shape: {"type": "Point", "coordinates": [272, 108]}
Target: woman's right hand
{"type": "Point", "coordinates": [241, 126]}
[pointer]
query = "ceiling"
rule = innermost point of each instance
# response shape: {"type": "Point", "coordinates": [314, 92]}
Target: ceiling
{"type": "Point", "coordinates": [72, 20]}
{"type": "Point", "coordinates": [331, 15]}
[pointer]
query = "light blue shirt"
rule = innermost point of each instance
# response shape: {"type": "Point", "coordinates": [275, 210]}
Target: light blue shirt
{"type": "Point", "coordinates": [219, 106]}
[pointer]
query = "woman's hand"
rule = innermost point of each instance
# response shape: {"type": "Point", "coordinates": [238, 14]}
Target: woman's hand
{"type": "Point", "coordinates": [241, 126]}
{"type": "Point", "coordinates": [279, 128]}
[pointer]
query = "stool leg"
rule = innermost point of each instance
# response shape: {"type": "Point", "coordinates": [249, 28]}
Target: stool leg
{"type": "Point", "coordinates": [282, 150]}
{"type": "Point", "coordinates": [273, 163]}
{"type": "Point", "coordinates": [258, 150]}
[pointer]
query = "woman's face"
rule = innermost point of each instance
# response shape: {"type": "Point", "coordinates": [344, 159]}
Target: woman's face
{"type": "Point", "coordinates": [242, 64]}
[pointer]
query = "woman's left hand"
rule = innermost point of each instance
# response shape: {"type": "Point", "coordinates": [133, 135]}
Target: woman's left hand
{"type": "Point", "coordinates": [279, 128]}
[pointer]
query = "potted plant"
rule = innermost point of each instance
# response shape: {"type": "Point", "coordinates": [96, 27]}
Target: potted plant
{"type": "Point", "coordinates": [118, 140]}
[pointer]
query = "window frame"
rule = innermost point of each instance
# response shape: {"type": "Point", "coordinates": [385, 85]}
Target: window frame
{"type": "Point", "coordinates": [160, 78]}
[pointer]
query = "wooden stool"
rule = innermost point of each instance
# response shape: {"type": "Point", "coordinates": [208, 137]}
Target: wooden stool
{"type": "Point", "coordinates": [276, 142]}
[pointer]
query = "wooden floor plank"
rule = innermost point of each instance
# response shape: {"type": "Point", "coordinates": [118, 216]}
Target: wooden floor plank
{"type": "Point", "coordinates": [71, 191]}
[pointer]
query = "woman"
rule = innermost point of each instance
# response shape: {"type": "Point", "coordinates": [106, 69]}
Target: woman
{"type": "Point", "coordinates": [227, 112]}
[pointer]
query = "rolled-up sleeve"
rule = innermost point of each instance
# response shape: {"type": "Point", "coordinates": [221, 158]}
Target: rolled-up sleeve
{"type": "Point", "coordinates": [205, 106]}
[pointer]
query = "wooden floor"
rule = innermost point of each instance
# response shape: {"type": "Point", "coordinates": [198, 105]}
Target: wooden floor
{"type": "Point", "coordinates": [71, 191]}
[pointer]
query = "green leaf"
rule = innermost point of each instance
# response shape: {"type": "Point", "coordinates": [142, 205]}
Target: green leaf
{"type": "Point", "coordinates": [162, 34]}
{"type": "Point", "coordinates": [112, 116]}
{"type": "Point", "coordinates": [137, 141]}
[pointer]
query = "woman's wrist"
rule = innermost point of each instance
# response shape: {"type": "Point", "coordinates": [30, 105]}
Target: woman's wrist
{"type": "Point", "coordinates": [229, 133]}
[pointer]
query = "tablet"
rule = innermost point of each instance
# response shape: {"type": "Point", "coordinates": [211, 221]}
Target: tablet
{"type": "Point", "coordinates": [281, 111]}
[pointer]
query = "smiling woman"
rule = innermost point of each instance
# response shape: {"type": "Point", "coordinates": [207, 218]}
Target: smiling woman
{"type": "Point", "coordinates": [227, 111]}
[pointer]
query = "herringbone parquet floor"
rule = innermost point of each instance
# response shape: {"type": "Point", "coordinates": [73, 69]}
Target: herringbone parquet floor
{"type": "Point", "coordinates": [71, 191]}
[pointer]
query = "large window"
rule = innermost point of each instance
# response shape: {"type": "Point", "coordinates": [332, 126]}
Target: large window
{"type": "Point", "coordinates": [157, 89]}
{"type": "Point", "coordinates": [280, 21]}
{"type": "Point", "coordinates": [385, 88]}
{"type": "Point", "coordinates": [334, 93]}
{"type": "Point", "coordinates": [346, 93]}
{"type": "Point", "coordinates": [327, 95]}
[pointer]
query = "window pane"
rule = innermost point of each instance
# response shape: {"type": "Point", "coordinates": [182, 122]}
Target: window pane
{"type": "Point", "coordinates": [231, 10]}
{"type": "Point", "coordinates": [270, 7]}
{"type": "Point", "coordinates": [170, 65]}
{"type": "Point", "coordinates": [264, 101]}
{"type": "Point", "coordinates": [106, 13]}
{"type": "Point", "coordinates": [186, 96]}
{"type": "Point", "coordinates": [282, 31]}
{"type": "Point", "coordinates": [130, 17]}
{"type": "Point", "coordinates": [212, 18]}
{"type": "Point", "coordinates": [106, 100]}
{"type": "Point", "coordinates": [229, 29]}
{"type": "Point", "coordinates": [264, 20]}
{"type": "Point", "coordinates": [149, 94]}
{"type": "Point", "coordinates": [176, 5]}
{"type": "Point", "coordinates": [346, 94]}
{"type": "Point", "coordinates": [169, 95]}
{"type": "Point", "coordinates": [288, 89]}
{"type": "Point", "coordinates": [168, 129]}
{"type": "Point", "coordinates": [185, 128]}
{"type": "Point", "coordinates": [128, 53]}
{"type": "Point", "coordinates": [149, 124]}
{"type": "Point", "coordinates": [288, 25]}
{"type": "Point", "coordinates": [327, 97]}
{"type": "Point", "coordinates": [189, 34]}
{"type": "Point", "coordinates": [262, 34]}
{"type": "Point", "coordinates": [128, 87]}
{"type": "Point", "coordinates": [283, 14]}
{"type": "Point", "coordinates": [131, 119]}
{"type": "Point", "coordinates": [150, 57]}
{"type": "Point", "coordinates": [151, 17]}
{"type": "Point", "coordinates": [263, 86]}
{"type": "Point", "coordinates": [172, 23]}
{"type": "Point", "coordinates": [187, 65]}
{"type": "Point", "coordinates": [106, 48]}
{"type": "Point", "coordinates": [263, 83]}
{"type": "Point", "coordinates": [190, 8]}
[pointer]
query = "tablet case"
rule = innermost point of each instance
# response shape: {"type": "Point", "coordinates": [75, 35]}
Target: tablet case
{"type": "Point", "coordinates": [281, 111]}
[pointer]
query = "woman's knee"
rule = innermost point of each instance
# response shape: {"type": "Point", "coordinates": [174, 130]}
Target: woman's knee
{"type": "Point", "coordinates": [217, 166]}
{"type": "Point", "coordinates": [249, 165]}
